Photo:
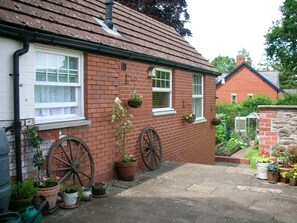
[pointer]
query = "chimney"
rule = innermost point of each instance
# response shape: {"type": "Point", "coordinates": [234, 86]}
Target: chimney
{"type": "Point", "coordinates": [249, 61]}
{"type": "Point", "coordinates": [240, 58]}
{"type": "Point", "coordinates": [108, 14]}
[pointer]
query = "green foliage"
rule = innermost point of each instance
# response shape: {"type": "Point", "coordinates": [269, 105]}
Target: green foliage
{"type": "Point", "coordinates": [35, 141]}
{"type": "Point", "coordinates": [123, 119]}
{"type": "Point", "coordinates": [283, 155]}
{"type": "Point", "coordinates": [256, 145]}
{"type": "Point", "coordinates": [135, 96]}
{"type": "Point", "coordinates": [231, 110]}
{"type": "Point", "coordinates": [173, 13]}
{"type": "Point", "coordinates": [251, 133]}
{"type": "Point", "coordinates": [23, 190]}
{"type": "Point", "coordinates": [289, 99]}
{"type": "Point", "coordinates": [251, 104]}
{"type": "Point", "coordinates": [281, 44]}
{"type": "Point", "coordinates": [220, 134]}
{"type": "Point", "coordinates": [273, 167]}
{"type": "Point", "coordinates": [252, 155]}
{"type": "Point", "coordinates": [224, 64]}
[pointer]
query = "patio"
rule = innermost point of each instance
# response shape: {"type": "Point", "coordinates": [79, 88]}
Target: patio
{"type": "Point", "coordinates": [185, 192]}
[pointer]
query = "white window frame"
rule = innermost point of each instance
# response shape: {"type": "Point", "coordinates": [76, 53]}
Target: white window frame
{"type": "Point", "coordinates": [250, 96]}
{"type": "Point", "coordinates": [199, 96]}
{"type": "Point", "coordinates": [232, 101]}
{"type": "Point", "coordinates": [239, 119]}
{"type": "Point", "coordinates": [79, 88]}
{"type": "Point", "coordinates": [169, 109]}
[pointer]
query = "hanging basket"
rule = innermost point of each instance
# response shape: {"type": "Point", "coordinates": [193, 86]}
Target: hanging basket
{"type": "Point", "coordinates": [134, 104]}
{"type": "Point", "coordinates": [190, 120]}
{"type": "Point", "coordinates": [216, 121]}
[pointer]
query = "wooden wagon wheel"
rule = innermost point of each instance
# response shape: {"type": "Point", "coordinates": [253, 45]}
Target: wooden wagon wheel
{"type": "Point", "coordinates": [70, 159]}
{"type": "Point", "coordinates": [151, 148]}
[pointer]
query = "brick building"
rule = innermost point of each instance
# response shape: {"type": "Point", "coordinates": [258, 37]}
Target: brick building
{"type": "Point", "coordinates": [72, 64]}
{"type": "Point", "coordinates": [245, 82]}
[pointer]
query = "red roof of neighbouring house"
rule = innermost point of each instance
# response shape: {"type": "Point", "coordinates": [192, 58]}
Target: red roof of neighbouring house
{"type": "Point", "coordinates": [74, 19]}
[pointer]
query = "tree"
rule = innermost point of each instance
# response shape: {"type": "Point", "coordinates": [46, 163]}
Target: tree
{"type": "Point", "coordinates": [171, 12]}
{"type": "Point", "coordinates": [223, 64]}
{"type": "Point", "coordinates": [281, 44]}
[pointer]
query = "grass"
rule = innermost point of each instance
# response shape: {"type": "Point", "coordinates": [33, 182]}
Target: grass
{"type": "Point", "coordinates": [252, 155]}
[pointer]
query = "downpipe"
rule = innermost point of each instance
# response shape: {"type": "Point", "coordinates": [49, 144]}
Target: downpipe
{"type": "Point", "coordinates": [17, 125]}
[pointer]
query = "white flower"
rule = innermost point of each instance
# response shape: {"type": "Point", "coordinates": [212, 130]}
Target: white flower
{"type": "Point", "coordinates": [117, 101]}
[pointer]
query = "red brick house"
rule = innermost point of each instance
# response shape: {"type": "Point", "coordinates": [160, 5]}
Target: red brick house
{"type": "Point", "coordinates": [245, 82]}
{"type": "Point", "coordinates": [69, 64]}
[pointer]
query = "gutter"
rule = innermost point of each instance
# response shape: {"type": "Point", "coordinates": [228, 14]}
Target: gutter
{"type": "Point", "coordinates": [36, 36]}
{"type": "Point", "coordinates": [17, 125]}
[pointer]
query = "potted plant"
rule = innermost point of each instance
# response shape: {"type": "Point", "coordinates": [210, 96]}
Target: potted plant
{"type": "Point", "coordinates": [71, 194]}
{"type": "Point", "coordinates": [272, 173]}
{"type": "Point", "coordinates": [99, 189]}
{"type": "Point", "coordinates": [284, 159]}
{"type": "Point", "coordinates": [22, 194]}
{"type": "Point", "coordinates": [49, 189]}
{"type": "Point", "coordinates": [126, 166]}
{"type": "Point", "coordinates": [135, 100]}
{"type": "Point", "coordinates": [293, 178]}
{"type": "Point", "coordinates": [262, 161]}
{"type": "Point", "coordinates": [189, 117]}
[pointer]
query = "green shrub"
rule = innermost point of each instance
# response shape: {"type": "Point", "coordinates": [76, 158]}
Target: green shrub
{"type": "Point", "coordinates": [256, 145]}
{"type": "Point", "coordinates": [289, 99]}
{"type": "Point", "coordinates": [231, 111]}
{"type": "Point", "coordinates": [23, 190]}
{"type": "Point", "coordinates": [220, 134]}
{"type": "Point", "coordinates": [251, 104]}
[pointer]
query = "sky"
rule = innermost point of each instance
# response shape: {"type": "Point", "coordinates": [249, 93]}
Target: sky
{"type": "Point", "coordinates": [223, 27]}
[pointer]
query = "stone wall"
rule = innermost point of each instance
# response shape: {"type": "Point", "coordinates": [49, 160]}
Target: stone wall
{"type": "Point", "coordinates": [278, 125]}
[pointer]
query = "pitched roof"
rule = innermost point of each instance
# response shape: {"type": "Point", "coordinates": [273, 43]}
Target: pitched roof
{"type": "Point", "coordinates": [272, 76]}
{"type": "Point", "coordinates": [141, 37]}
{"type": "Point", "coordinates": [263, 77]}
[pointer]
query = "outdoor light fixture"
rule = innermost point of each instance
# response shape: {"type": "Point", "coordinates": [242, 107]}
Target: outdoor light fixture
{"type": "Point", "coordinates": [151, 72]}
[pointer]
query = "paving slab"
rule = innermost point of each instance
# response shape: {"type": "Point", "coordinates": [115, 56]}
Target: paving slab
{"type": "Point", "coordinates": [186, 192]}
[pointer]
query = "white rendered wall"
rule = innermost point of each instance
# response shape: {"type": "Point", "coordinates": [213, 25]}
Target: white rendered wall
{"type": "Point", "coordinates": [27, 66]}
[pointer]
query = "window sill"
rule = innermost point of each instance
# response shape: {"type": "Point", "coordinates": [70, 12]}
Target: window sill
{"type": "Point", "coordinates": [60, 125]}
{"type": "Point", "coordinates": [200, 120]}
{"type": "Point", "coordinates": [166, 112]}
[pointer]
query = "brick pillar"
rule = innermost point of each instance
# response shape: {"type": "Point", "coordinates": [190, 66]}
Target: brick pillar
{"type": "Point", "coordinates": [267, 136]}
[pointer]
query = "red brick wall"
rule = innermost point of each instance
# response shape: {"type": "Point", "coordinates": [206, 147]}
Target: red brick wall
{"type": "Point", "coordinates": [267, 136]}
{"type": "Point", "coordinates": [242, 83]}
{"type": "Point", "coordinates": [104, 81]}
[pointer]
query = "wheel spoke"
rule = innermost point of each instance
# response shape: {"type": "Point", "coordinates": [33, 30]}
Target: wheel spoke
{"type": "Point", "coordinates": [78, 150]}
{"type": "Point", "coordinates": [83, 157]}
{"type": "Point", "coordinates": [65, 176]}
{"type": "Point", "coordinates": [70, 147]}
{"type": "Point", "coordinates": [85, 174]}
{"type": "Point", "coordinates": [65, 153]}
{"type": "Point", "coordinates": [62, 169]}
{"type": "Point", "coordinates": [57, 158]}
{"type": "Point", "coordinates": [81, 183]}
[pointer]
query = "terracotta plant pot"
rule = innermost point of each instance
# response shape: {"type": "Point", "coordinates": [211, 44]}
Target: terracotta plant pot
{"type": "Point", "coordinates": [272, 177]}
{"type": "Point", "coordinates": [20, 203]}
{"type": "Point", "coordinates": [134, 104]}
{"type": "Point", "coordinates": [126, 171]}
{"type": "Point", "coordinates": [50, 194]}
{"type": "Point", "coordinates": [293, 182]}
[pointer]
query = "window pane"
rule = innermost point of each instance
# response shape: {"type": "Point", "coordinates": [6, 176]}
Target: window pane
{"type": "Point", "coordinates": [161, 99]}
{"type": "Point", "coordinates": [73, 63]}
{"type": "Point", "coordinates": [197, 84]}
{"type": "Point", "coordinates": [62, 62]}
{"type": "Point", "coordinates": [197, 107]}
{"type": "Point", "coordinates": [52, 61]}
{"type": "Point", "coordinates": [40, 74]}
{"type": "Point", "coordinates": [54, 94]}
{"type": "Point", "coordinates": [40, 59]}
